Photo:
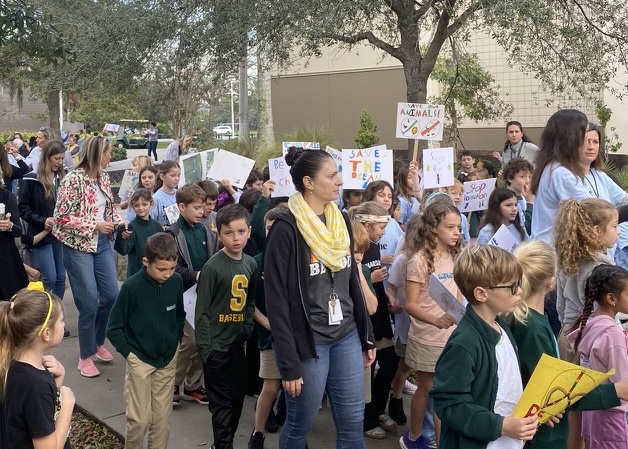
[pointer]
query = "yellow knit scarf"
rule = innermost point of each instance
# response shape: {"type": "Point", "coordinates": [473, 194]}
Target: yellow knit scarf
{"type": "Point", "coordinates": [328, 241]}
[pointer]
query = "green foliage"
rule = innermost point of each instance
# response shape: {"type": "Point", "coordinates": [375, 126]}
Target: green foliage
{"type": "Point", "coordinates": [243, 147]}
{"type": "Point", "coordinates": [118, 154]}
{"type": "Point", "coordinates": [620, 175]}
{"type": "Point", "coordinates": [367, 133]}
{"type": "Point", "coordinates": [610, 139]}
{"type": "Point", "coordinates": [95, 110]}
{"type": "Point", "coordinates": [320, 133]}
{"type": "Point", "coordinates": [4, 136]}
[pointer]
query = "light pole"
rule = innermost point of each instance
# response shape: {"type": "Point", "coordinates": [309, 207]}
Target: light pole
{"type": "Point", "coordinates": [232, 110]}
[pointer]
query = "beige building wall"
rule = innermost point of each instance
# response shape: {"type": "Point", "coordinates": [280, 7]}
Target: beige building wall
{"type": "Point", "coordinates": [333, 89]}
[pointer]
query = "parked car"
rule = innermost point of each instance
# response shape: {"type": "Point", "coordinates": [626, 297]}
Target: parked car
{"type": "Point", "coordinates": [222, 130]}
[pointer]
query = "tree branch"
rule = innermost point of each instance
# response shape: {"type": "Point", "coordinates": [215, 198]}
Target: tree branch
{"type": "Point", "coordinates": [440, 35]}
{"type": "Point", "coordinates": [597, 28]}
{"type": "Point", "coordinates": [464, 17]}
{"type": "Point", "coordinates": [422, 10]}
{"type": "Point", "coordinates": [368, 36]}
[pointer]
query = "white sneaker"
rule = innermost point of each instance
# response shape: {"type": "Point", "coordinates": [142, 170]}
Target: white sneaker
{"type": "Point", "coordinates": [409, 388]}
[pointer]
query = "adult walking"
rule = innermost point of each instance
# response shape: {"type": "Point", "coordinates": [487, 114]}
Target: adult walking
{"type": "Point", "coordinates": [38, 197]}
{"type": "Point", "coordinates": [44, 134]}
{"type": "Point", "coordinates": [85, 218]}
{"type": "Point", "coordinates": [12, 275]}
{"type": "Point", "coordinates": [320, 325]}
{"type": "Point", "coordinates": [178, 148]}
{"type": "Point", "coordinates": [152, 135]}
{"type": "Point", "coordinates": [517, 145]}
{"type": "Point", "coordinates": [9, 171]}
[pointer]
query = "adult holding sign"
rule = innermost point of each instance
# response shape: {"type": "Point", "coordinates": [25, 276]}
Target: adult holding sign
{"type": "Point", "coordinates": [323, 336]}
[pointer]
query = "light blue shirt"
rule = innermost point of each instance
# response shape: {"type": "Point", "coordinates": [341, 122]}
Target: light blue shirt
{"type": "Point", "coordinates": [487, 233]}
{"type": "Point", "coordinates": [559, 183]}
{"type": "Point", "coordinates": [408, 208]}
{"type": "Point", "coordinates": [390, 240]}
{"type": "Point", "coordinates": [621, 251]}
{"type": "Point", "coordinates": [464, 229]}
{"type": "Point", "coordinates": [162, 200]}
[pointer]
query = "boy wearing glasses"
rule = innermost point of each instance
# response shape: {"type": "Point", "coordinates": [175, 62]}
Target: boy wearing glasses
{"type": "Point", "coordinates": [477, 380]}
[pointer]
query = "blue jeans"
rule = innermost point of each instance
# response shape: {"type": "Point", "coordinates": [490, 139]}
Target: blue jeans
{"type": "Point", "coordinates": [152, 148]}
{"type": "Point", "coordinates": [340, 372]}
{"type": "Point", "coordinates": [49, 260]}
{"type": "Point", "coordinates": [94, 283]}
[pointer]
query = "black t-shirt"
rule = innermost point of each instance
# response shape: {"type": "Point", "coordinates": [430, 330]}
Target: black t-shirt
{"type": "Point", "coordinates": [28, 407]}
{"type": "Point", "coordinates": [382, 327]}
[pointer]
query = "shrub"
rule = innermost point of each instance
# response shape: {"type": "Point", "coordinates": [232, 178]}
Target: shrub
{"type": "Point", "coordinates": [118, 154]}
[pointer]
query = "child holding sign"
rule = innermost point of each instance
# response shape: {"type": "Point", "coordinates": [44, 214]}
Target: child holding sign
{"type": "Point", "coordinates": [502, 210]}
{"type": "Point", "coordinates": [517, 174]}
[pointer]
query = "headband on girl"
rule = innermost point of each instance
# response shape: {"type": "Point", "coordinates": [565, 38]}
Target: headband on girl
{"type": "Point", "coordinates": [38, 286]}
{"type": "Point", "coordinates": [367, 218]}
{"type": "Point", "coordinates": [433, 195]}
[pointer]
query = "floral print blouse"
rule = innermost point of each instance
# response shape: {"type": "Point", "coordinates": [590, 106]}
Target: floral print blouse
{"type": "Point", "coordinates": [76, 211]}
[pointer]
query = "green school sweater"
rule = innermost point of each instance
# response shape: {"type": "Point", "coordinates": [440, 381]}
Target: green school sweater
{"type": "Point", "coordinates": [147, 318]}
{"type": "Point", "coordinates": [134, 245]}
{"type": "Point", "coordinates": [225, 302]}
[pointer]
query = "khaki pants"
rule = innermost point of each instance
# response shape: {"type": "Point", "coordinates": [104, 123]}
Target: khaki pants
{"type": "Point", "coordinates": [148, 398]}
{"type": "Point", "coordinates": [189, 365]}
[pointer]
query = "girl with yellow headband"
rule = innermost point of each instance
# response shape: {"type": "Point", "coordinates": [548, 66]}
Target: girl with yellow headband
{"type": "Point", "coordinates": [36, 407]}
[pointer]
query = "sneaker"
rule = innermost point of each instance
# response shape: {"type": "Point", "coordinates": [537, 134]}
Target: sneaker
{"type": "Point", "coordinates": [387, 423]}
{"type": "Point", "coordinates": [406, 443]}
{"type": "Point", "coordinates": [432, 445]}
{"type": "Point", "coordinates": [271, 422]}
{"type": "Point", "coordinates": [376, 433]}
{"type": "Point", "coordinates": [176, 397]}
{"type": "Point", "coordinates": [256, 441]}
{"type": "Point", "coordinates": [87, 367]}
{"type": "Point", "coordinates": [395, 410]}
{"type": "Point", "coordinates": [103, 354]}
{"type": "Point", "coordinates": [409, 387]}
{"type": "Point", "coordinates": [199, 395]}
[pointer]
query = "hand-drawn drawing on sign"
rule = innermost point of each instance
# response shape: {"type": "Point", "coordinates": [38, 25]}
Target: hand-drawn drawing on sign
{"type": "Point", "coordinates": [438, 168]}
{"type": "Point", "coordinates": [475, 195]}
{"type": "Point", "coordinates": [420, 121]}
{"type": "Point", "coordinates": [362, 166]}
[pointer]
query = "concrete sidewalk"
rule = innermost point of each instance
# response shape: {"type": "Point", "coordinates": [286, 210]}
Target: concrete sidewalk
{"type": "Point", "coordinates": [191, 423]}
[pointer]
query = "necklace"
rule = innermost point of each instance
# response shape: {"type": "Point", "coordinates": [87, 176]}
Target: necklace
{"type": "Point", "coordinates": [594, 188]}
{"type": "Point", "coordinates": [516, 153]}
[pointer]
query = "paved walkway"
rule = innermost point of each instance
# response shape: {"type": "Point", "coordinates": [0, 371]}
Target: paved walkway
{"type": "Point", "coordinates": [191, 423]}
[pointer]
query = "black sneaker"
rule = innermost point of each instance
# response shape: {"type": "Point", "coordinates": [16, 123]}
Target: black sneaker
{"type": "Point", "coordinates": [271, 422]}
{"type": "Point", "coordinates": [176, 397]}
{"type": "Point", "coordinates": [256, 441]}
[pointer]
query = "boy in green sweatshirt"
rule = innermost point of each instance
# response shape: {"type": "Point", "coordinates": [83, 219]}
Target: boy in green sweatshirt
{"type": "Point", "coordinates": [146, 326]}
{"type": "Point", "coordinates": [224, 321]}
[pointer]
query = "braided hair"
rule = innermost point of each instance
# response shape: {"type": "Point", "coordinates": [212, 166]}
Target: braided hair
{"type": "Point", "coordinates": [605, 279]}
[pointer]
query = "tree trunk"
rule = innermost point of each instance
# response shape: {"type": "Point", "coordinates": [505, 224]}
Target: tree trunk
{"type": "Point", "coordinates": [265, 131]}
{"type": "Point", "coordinates": [416, 92]}
{"type": "Point", "coordinates": [52, 101]}
{"type": "Point", "coordinates": [244, 101]}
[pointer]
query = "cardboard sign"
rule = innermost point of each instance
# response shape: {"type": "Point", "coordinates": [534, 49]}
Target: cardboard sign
{"type": "Point", "coordinates": [189, 304]}
{"type": "Point", "coordinates": [337, 155]}
{"type": "Point", "coordinates": [504, 239]}
{"type": "Point", "coordinates": [111, 127]}
{"type": "Point", "coordinates": [476, 194]}
{"type": "Point", "coordinates": [554, 386]}
{"type": "Point", "coordinates": [128, 184]}
{"type": "Point", "coordinates": [438, 168]}
{"type": "Point", "coordinates": [172, 213]}
{"type": "Point", "coordinates": [366, 165]}
{"type": "Point", "coordinates": [420, 121]}
{"type": "Point", "coordinates": [446, 300]}
{"type": "Point", "coordinates": [304, 145]}
{"type": "Point", "coordinates": [232, 167]}
{"type": "Point", "coordinates": [191, 168]}
{"type": "Point", "coordinates": [279, 172]}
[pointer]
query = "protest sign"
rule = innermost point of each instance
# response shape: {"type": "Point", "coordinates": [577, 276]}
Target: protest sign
{"type": "Point", "coordinates": [476, 194]}
{"type": "Point", "coordinates": [504, 239]}
{"type": "Point", "coordinates": [304, 145]}
{"type": "Point", "coordinates": [172, 213]}
{"type": "Point", "coordinates": [554, 386]}
{"type": "Point", "coordinates": [111, 127]}
{"type": "Point", "coordinates": [207, 160]}
{"type": "Point", "coordinates": [128, 184]}
{"type": "Point", "coordinates": [189, 304]}
{"type": "Point", "coordinates": [232, 167]}
{"type": "Point", "coordinates": [366, 165]}
{"type": "Point", "coordinates": [191, 169]}
{"type": "Point", "coordinates": [279, 172]}
{"type": "Point", "coordinates": [446, 300]}
{"type": "Point", "coordinates": [420, 121]}
{"type": "Point", "coordinates": [337, 155]}
{"type": "Point", "coordinates": [438, 168]}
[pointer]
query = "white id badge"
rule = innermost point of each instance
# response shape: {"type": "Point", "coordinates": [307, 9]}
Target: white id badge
{"type": "Point", "coordinates": [335, 311]}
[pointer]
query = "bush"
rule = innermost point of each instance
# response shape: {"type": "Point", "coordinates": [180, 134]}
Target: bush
{"type": "Point", "coordinates": [118, 154]}
{"type": "Point", "coordinates": [367, 133]}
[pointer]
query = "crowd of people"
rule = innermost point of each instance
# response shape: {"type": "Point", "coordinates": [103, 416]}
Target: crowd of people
{"type": "Point", "coordinates": [325, 294]}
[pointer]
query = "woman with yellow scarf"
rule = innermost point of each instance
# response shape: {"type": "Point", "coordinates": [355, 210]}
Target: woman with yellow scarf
{"type": "Point", "coordinates": [321, 328]}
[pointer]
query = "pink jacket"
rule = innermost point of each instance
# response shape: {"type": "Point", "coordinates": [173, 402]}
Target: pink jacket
{"type": "Point", "coordinates": [76, 211]}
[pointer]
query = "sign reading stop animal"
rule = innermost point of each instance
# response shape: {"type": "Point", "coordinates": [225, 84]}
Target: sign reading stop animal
{"type": "Point", "coordinates": [420, 121]}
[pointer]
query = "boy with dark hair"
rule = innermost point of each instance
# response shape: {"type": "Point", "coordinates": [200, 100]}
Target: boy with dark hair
{"type": "Point", "coordinates": [145, 326]}
{"type": "Point", "coordinates": [517, 174]}
{"type": "Point", "coordinates": [477, 381]}
{"type": "Point", "coordinates": [196, 244]}
{"type": "Point", "coordinates": [224, 321]}
{"type": "Point", "coordinates": [467, 162]}
{"type": "Point", "coordinates": [209, 216]}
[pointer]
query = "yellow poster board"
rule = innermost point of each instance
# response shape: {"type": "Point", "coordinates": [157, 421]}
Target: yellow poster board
{"type": "Point", "coordinates": [554, 386]}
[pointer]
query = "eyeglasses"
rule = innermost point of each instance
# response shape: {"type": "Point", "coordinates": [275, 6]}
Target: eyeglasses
{"type": "Point", "coordinates": [514, 288]}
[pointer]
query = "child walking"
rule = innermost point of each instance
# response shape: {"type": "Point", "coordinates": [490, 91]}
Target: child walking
{"type": "Point", "coordinates": [168, 181]}
{"type": "Point", "coordinates": [36, 407]}
{"type": "Point", "coordinates": [224, 321]}
{"type": "Point", "coordinates": [433, 251]}
{"type": "Point", "coordinates": [131, 241]}
{"type": "Point", "coordinates": [148, 180]}
{"type": "Point", "coordinates": [146, 326]}
{"type": "Point", "coordinates": [137, 164]}
{"type": "Point", "coordinates": [601, 345]}
{"type": "Point", "coordinates": [502, 210]}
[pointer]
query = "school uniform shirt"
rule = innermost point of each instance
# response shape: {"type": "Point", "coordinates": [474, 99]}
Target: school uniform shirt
{"type": "Point", "coordinates": [225, 302]}
{"type": "Point", "coordinates": [558, 183]}
{"type": "Point", "coordinates": [135, 244]}
{"type": "Point", "coordinates": [397, 278]}
{"type": "Point", "coordinates": [28, 406]}
{"type": "Point", "coordinates": [621, 250]}
{"type": "Point", "coordinates": [408, 208]}
{"type": "Point", "coordinates": [392, 234]}
{"type": "Point", "coordinates": [380, 320]}
{"type": "Point", "coordinates": [525, 213]}
{"type": "Point", "coordinates": [162, 200]}
{"type": "Point", "coordinates": [487, 232]}
{"type": "Point", "coordinates": [464, 229]}
{"type": "Point", "coordinates": [196, 240]}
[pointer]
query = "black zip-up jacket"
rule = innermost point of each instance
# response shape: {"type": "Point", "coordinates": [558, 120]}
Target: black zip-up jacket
{"type": "Point", "coordinates": [286, 267]}
{"type": "Point", "coordinates": [35, 207]}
